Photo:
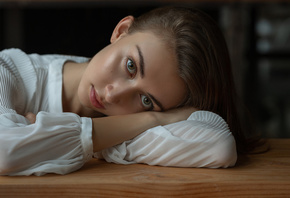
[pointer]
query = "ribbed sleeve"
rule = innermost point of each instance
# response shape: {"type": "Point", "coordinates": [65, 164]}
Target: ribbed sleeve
{"type": "Point", "coordinates": [203, 140]}
{"type": "Point", "coordinates": [8, 84]}
{"type": "Point", "coordinates": [28, 74]}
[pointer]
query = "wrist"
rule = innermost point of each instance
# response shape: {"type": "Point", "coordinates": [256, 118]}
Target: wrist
{"type": "Point", "coordinates": [161, 118]}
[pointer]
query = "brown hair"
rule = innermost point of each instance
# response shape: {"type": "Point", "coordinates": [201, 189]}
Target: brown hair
{"type": "Point", "coordinates": [203, 59]}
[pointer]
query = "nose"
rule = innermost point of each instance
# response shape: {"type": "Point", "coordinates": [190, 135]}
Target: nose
{"type": "Point", "coordinates": [115, 94]}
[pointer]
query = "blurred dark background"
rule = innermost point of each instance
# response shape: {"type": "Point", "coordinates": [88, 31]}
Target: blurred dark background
{"type": "Point", "coordinates": [257, 33]}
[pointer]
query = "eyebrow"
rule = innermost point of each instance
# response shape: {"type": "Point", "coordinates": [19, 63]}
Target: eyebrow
{"type": "Point", "coordinates": [141, 63]}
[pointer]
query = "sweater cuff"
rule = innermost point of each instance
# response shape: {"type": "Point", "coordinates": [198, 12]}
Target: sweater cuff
{"type": "Point", "coordinates": [86, 138]}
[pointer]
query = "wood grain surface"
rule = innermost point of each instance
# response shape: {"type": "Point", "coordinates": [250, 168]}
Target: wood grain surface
{"type": "Point", "coordinates": [260, 175]}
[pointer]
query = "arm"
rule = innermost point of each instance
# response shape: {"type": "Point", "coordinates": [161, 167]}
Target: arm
{"type": "Point", "coordinates": [113, 130]}
{"type": "Point", "coordinates": [64, 141]}
{"type": "Point", "coordinates": [109, 131]}
{"type": "Point", "coordinates": [56, 143]}
{"type": "Point", "coordinates": [203, 140]}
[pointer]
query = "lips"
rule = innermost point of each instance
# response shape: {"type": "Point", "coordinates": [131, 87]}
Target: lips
{"type": "Point", "coordinates": [95, 99]}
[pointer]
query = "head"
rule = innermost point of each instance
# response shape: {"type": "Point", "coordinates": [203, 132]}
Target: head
{"type": "Point", "coordinates": [202, 56]}
{"type": "Point", "coordinates": [136, 72]}
{"type": "Point", "coordinates": [191, 47]}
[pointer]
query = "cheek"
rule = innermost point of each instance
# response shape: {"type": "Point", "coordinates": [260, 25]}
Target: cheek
{"type": "Point", "coordinates": [100, 70]}
{"type": "Point", "coordinates": [174, 93]}
{"type": "Point", "coordinates": [109, 66]}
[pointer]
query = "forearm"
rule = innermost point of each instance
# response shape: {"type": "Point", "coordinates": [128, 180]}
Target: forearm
{"type": "Point", "coordinates": [112, 130]}
{"type": "Point", "coordinates": [203, 141]}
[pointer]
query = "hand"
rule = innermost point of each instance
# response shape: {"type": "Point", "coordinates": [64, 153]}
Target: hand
{"type": "Point", "coordinates": [31, 117]}
{"type": "Point", "coordinates": [174, 115]}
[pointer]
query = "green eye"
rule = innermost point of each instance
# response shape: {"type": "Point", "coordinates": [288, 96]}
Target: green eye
{"type": "Point", "coordinates": [131, 66]}
{"type": "Point", "coordinates": [146, 102]}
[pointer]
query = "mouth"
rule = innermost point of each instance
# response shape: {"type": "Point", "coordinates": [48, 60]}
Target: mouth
{"type": "Point", "coordinates": [95, 99]}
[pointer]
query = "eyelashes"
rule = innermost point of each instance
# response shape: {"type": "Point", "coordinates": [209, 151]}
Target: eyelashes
{"type": "Point", "coordinates": [146, 102]}
{"type": "Point", "coordinates": [131, 67]}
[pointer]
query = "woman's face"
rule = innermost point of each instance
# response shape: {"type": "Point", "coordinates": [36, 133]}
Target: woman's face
{"type": "Point", "coordinates": [135, 73]}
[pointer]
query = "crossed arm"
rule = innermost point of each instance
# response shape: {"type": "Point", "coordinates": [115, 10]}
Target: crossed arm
{"type": "Point", "coordinates": [202, 141]}
{"type": "Point", "coordinates": [112, 130]}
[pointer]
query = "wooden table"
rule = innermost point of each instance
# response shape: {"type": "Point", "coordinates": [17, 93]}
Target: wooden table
{"type": "Point", "coordinates": [262, 175]}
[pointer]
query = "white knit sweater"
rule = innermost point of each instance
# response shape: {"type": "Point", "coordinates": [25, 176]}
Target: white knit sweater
{"type": "Point", "coordinates": [61, 142]}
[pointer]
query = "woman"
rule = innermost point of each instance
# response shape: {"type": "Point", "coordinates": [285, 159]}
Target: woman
{"type": "Point", "coordinates": [158, 69]}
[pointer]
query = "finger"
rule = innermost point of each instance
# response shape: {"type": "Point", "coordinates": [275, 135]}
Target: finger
{"type": "Point", "coordinates": [31, 117]}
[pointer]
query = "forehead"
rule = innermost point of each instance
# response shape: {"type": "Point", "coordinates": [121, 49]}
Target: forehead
{"type": "Point", "coordinates": [161, 77]}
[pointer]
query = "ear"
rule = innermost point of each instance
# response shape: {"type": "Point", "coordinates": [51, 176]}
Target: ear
{"type": "Point", "coordinates": [122, 28]}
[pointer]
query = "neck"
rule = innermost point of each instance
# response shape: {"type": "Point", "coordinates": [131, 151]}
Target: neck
{"type": "Point", "coordinates": [72, 74]}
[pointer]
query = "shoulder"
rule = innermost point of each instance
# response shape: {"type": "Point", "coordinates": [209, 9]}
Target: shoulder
{"type": "Point", "coordinates": [9, 62]}
{"type": "Point", "coordinates": [12, 53]}
{"type": "Point", "coordinates": [15, 60]}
